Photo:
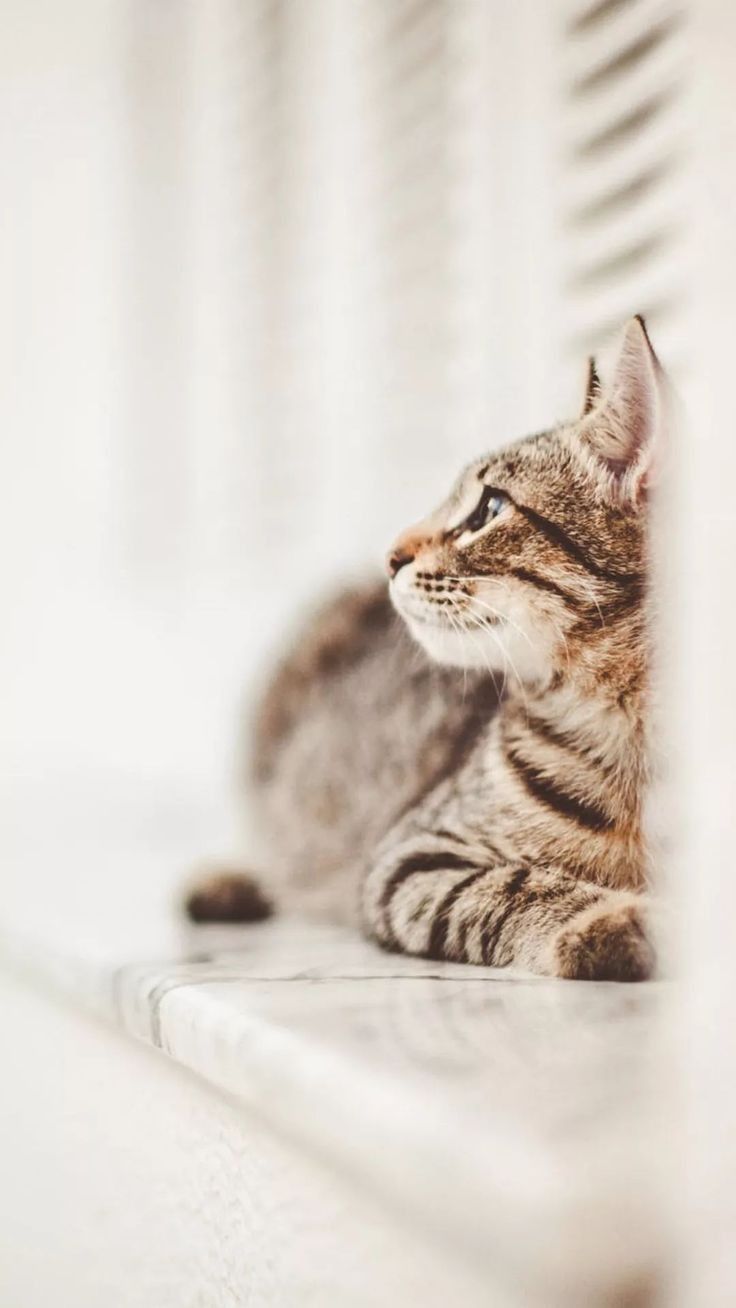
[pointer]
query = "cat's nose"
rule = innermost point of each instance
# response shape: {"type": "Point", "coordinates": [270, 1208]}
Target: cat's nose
{"type": "Point", "coordinates": [397, 559]}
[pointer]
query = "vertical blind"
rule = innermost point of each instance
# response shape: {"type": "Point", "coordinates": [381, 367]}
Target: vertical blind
{"type": "Point", "coordinates": [358, 285]}
{"type": "Point", "coordinates": [352, 246]}
{"type": "Point", "coordinates": [623, 206]}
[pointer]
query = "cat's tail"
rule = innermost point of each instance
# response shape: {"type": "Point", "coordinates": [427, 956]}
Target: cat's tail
{"type": "Point", "coordinates": [226, 895]}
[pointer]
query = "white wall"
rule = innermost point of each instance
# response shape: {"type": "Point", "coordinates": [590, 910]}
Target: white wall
{"type": "Point", "coordinates": [61, 174]}
{"type": "Point", "coordinates": [705, 700]}
{"type": "Point", "coordinates": [275, 273]}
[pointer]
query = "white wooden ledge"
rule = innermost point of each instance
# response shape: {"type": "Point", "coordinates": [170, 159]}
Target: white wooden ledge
{"type": "Point", "coordinates": [510, 1124]}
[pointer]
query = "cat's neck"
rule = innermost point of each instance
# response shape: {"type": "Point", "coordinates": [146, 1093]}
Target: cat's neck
{"type": "Point", "coordinates": [582, 709]}
{"type": "Point", "coordinates": [605, 679]}
{"type": "Point", "coordinates": [598, 705]}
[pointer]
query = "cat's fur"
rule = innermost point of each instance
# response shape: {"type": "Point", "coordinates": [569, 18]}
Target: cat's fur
{"type": "Point", "coordinates": [477, 795]}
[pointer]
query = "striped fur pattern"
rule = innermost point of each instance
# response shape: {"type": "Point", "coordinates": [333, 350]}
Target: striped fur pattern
{"type": "Point", "coordinates": [460, 761]}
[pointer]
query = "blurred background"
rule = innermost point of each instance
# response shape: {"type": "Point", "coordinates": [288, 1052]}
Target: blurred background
{"type": "Point", "coordinates": [272, 271]}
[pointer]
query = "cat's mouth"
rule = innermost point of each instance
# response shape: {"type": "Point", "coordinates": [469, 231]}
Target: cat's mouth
{"type": "Point", "coordinates": [445, 614]}
{"type": "Point", "coordinates": [453, 633]}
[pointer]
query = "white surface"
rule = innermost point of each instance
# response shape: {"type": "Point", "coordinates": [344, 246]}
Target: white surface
{"type": "Point", "coordinates": [127, 1184]}
{"type": "Point", "coordinates": [513, 1123]}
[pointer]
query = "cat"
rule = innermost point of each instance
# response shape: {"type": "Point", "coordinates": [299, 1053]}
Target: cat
{"type": "Point", "coordinates": [458, 759]}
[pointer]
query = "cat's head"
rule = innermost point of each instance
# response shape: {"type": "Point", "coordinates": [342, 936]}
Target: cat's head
{"type": "Point", "coordinates": [542, 546]}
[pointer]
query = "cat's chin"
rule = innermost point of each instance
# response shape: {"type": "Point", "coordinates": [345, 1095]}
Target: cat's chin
{"type": "Point", "coordinates": [456, 649]}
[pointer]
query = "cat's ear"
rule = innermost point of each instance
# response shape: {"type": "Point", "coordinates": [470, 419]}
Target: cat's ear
{"type": "Point", "coordinates": [624, 428]}
{"type": "Point", "coordinates": [592, 387]}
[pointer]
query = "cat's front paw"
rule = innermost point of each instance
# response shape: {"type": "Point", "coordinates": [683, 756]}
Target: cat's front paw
{"type": "Point", "coordinates": [608, 942]}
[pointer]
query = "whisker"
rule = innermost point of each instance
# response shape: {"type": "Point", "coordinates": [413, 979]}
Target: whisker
{"type": "Point", "coordinates": [557, 628]}
{"type": "Point", "coordinates": [456, 628]}
{"type": "Point", "coordinates": [586, 585]}
{"type": "Point", "coordinates": [485, 626]}
{"type": "Point", "coordinates": [560, 633]}
{"type": "Point", "coordinates": [475, 599]}
{"type": "Point", "coordinates": [505, 618]}
{"type": "Point", "coordinates": [466, 632]}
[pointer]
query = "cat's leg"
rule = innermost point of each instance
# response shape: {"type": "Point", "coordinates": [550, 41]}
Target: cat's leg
{"type": "Point", "coordinates": [435, 896]}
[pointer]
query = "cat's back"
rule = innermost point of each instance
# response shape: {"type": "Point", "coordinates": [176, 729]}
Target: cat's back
{"type": "Point", "coordinates": [355, 724]}
{"type": "Point", "coordinates": [344, 632]}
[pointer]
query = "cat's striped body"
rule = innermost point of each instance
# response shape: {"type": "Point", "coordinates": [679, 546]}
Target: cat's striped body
{"type": "Point", "coordinates": [390, 783]}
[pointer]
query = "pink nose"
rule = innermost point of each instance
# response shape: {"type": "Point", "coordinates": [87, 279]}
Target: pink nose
{"type": "Point", "coordinates": [396, 560]}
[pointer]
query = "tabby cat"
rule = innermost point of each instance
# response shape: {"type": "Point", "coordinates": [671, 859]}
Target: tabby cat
{"type": "Point", "coordinates": [475, 793]}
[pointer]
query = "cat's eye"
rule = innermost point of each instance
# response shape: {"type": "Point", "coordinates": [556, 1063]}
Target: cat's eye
{"type": "Point", "coordinates": [489, 506]}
